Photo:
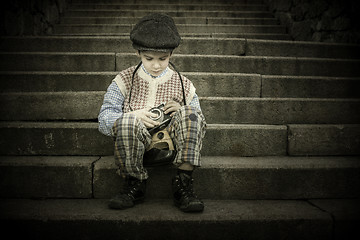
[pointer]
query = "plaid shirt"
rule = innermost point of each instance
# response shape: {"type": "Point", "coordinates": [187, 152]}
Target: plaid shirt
{"type": "Point", "coordinates": [112, 108]}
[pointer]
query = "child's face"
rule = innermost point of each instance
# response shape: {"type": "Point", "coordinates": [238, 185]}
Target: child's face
{"type": "Point", "coordinates": [155, 62]}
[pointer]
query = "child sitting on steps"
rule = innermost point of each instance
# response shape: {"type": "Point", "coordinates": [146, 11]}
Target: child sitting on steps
{"type": "Point", "coordinates": [125, 114]}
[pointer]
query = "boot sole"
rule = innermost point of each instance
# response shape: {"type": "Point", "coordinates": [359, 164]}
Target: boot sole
{"type": "Point", "coordinates": [196, 207]}
{"type": "Point", "coordinates": [119, 206]}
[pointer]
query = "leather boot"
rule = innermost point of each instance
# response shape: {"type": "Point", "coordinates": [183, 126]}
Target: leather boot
{"type": "Point", "coordinates": [184, 196]}
{"type": "Point", "coordinates": [133, 193]}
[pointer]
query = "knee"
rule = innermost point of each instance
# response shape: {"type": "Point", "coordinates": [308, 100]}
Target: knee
{"type": "Point", "coordinates": [126, 124]}
{"type": "Point", "coordinates": [190, 113]}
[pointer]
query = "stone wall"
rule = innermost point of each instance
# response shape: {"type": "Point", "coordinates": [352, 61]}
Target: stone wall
{"type": "Point", "coordinates": [30, 17]}
{"type": "Point", "coordinates": [319, 20]}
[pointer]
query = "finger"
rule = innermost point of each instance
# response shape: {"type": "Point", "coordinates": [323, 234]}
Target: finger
{"type": "Point", "coordinates": [150, 114]}
{"type": "Point", "coordinates": [151, 122]}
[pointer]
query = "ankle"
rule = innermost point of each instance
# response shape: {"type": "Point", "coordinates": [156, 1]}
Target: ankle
{"type": "Point", "coordinates": [186, 166]}
{"type": "Point", "coordinates": [187, 172]}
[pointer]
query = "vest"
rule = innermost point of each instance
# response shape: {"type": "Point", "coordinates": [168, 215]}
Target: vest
{"type": "Point", "coordinates": [149, 92]}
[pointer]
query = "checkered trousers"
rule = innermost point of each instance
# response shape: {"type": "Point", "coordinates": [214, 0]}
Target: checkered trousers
{"type": "Point", "coordinates": [187, 129]}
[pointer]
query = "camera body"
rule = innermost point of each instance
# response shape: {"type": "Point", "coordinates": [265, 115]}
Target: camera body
{"type": "Point", "coordinates": [161, 117]}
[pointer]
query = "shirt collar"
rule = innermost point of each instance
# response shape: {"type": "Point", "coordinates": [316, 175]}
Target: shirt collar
{"type": "Point", "coordinates": [162, 74]}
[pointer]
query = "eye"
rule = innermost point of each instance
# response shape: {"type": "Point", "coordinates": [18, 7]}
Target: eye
{"type": "Point", "coordinates": [162, 59]}
{"type": "Point", "coordinates": [148, 59]}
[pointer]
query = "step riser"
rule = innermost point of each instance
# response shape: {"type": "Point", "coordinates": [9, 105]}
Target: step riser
{"type": "Point", "coordinates": [119, 44]}
{"type": "Point", "coordinates": [185, 63]}
{"type": "Point", "coordinates": [203, 46]}
{"type": "Point", "coordinates": [139, 13]}
{"type": "Point", "coordinates": [268, 36]}
{"type": "Point", "coordinates": [58, 62]}
{"type": "Point", "coordinates": [123, 28]}
{"type": "Point", "coordinates": [49, 177]}
{"type": "Point", "coordinates": [54, 81]}
{"type": "Point", "coordinates": [160, 220]}
{"type": "Point", "coordinates": [325, 140]}
{"type": "Point", "coordinates": [86, 105]}
{"type": "Point", "coordinates": [204, 2]}
{"type": "Point", "coordinates": [46, 177]}
{"type": "Point", "coordinates": [171, 7]}
{"type": "Point", "coordinates": [232, 85]}
{"type": "Point", "coordinates": [301, 49]}
{"type": "Point", "coordinates": [177, 20]}
{"type": "Point", "coordinates": [310, 87]}
{"type": "Point", "coordinates": [244, 85]}
{"type": "Point", "coordinates": [246, 182]}
{"type": "Point", "coordinates": [242, 140]}
{"type": "Point", "coordinates": [84, 139]}
{"type": "Point", "coordinates": [259, 65]}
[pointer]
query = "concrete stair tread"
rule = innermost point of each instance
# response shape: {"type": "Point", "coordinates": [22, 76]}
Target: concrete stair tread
{"type": "Point", "coordinates": [272, 36]}
{"type": "Point", "coordinates": [256, 219]}
{"type": "Point", "coordinates": [89, 61]}
{"type": "Point", "coordinates": [218, 178]}
{"type": "Point", "coordinates": [233, 84]}
{"type": "Point", "coordinates": [182, 28]}
{"type": "Point", "coordinates": [248, 47]}
{"type": "Point", "coordinates": [227, 110]}
{"type": "Point", "coordinates": [83, 138]}
{"type": "Point", "coordinates": [179, 20]}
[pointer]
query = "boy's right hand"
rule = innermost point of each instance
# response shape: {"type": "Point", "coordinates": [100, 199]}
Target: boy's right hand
{"type": "Point", "coordinates": [144, 115]}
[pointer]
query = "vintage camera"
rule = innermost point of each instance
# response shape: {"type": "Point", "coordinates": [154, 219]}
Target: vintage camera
{"type": "Point", "coordinates": [161, 117]}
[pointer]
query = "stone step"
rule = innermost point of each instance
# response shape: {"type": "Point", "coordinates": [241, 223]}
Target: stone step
{"type": "Point", "coordinates": [270, 36]}
{"type": "Point", "coordinates": [83, 138]}
{"type": "Point", "coordinates": [170, 6]}
{"type": "Point", "coordinates": [232, 84]}
{"type": "Point", "coordinates": [182, 28]}
{"type": "Point", "coordinates": [309, 87]}
{"type": "Point", "coordinates": [116, 44]}
{"type": "Point", "coordinates": [172, 13]}
{"type": "Point", "coordinates": [312, 139]}
{"type": "Point", "coordinates": [42, 61]}
{"type": "Point", "coordinates": [189, 45]}
{"type": "Point", "coordinates": [160, 220]}
{"type": "Point", "coordinates": [34, 106]}
{"type": "Point", "coordinates": [80, 61]}
{"type": "Point", "coordinates": [204, 2]}
{"type": "Point", "coordinates": [177, 20]}
{"type": "Point", "coordinates": [219, 178]}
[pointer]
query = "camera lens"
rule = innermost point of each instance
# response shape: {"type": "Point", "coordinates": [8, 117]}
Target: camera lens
{"type": "Point", "coordinates": [158, 112]}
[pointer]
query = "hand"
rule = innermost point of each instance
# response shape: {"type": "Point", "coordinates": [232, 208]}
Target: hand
{"type": "Point", "coordinates": [144, 115]}
{"type": "Point", "coordinates": [171, 107]}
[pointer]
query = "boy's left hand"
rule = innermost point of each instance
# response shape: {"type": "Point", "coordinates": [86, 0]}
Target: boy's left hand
{"type": "Point", "coordinates": [171, 107]}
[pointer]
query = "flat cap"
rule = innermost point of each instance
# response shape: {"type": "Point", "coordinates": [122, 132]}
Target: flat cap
{"type": "Point", "coordinates": [155, 32]}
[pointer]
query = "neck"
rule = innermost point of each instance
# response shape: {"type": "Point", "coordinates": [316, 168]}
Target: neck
{"type": "Point", "coordinates": [162, 74]}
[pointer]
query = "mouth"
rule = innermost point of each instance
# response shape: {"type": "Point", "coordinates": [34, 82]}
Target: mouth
{"type": "Point", "coordinates": [156, 72]}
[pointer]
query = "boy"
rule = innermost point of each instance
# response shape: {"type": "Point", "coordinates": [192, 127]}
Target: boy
{"type": "Point", "coordinates": [125, 114]}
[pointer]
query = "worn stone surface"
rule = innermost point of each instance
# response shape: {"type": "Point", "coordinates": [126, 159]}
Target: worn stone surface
{"type": "Point", "coordinates": [36, 17]}
{"type": "Point", "coordinates": [77, 138]}
{"type": "Point", "coordinates": [321, 21]}
{"type": "Point", "coordinates": [46, 177]}
{"type": "Point", "coordinates": [159, 219]}
{"type": "Point", "coordinates": [346, 216]}
{"type": "Point", "coordinates": [324, 139]}
{"type": "Point", "coordinates": [247, 178]}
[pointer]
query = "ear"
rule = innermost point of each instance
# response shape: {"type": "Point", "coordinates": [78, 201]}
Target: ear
{"type": "Point", "coordinates": [138, 53]}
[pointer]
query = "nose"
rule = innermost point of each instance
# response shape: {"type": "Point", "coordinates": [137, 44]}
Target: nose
{"type": "Point", "coordinates": [156, 65]}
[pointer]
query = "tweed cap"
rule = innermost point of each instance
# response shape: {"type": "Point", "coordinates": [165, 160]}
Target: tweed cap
{"type": "Point", "coordinates": [155, 32]}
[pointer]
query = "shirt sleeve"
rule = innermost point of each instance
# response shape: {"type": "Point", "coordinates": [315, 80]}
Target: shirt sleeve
{"type": "Point", "coordinates": [111, 109]}
{"type": "Point", "coordinates": [195, 102]}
